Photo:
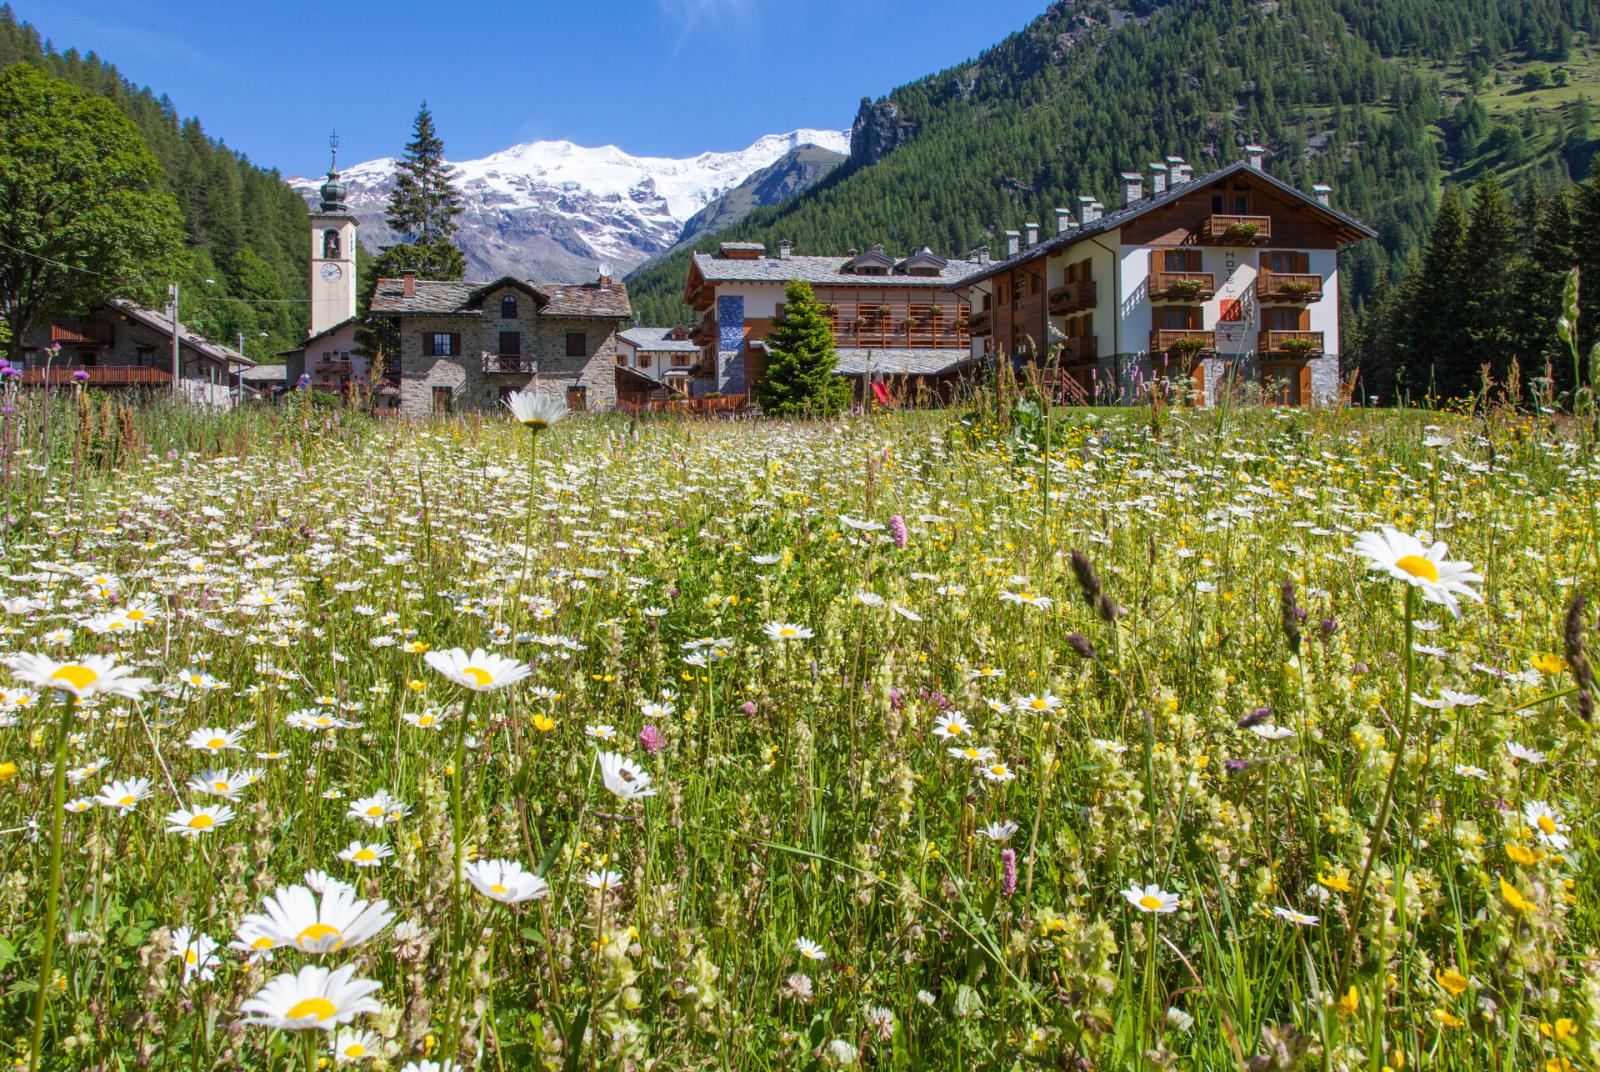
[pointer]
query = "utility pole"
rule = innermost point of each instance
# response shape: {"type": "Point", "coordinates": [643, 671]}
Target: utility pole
{"type": "Point", "coordinates": [238, 396]}
{"type": "Point", "coordinates": [172, 292]}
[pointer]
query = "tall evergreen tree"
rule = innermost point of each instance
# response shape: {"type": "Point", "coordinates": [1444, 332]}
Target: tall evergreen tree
{"type": "Point", "coordinates": [800, 379]}
{"type": "Point", "coordinates": [1586, 253]}
{"type": "Point", "coordinates": [425, 202]}
{"type": "Point", "coordinates": [1491, 250]}
{"type": "Point", "coordinates": [1537, 283]}
{"type": "Point", "coordinates": [1429, 336]}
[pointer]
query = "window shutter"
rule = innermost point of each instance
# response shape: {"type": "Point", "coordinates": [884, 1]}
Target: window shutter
{"type": "Point", "coordinates": [455, 344]}
{"type": "Point", "coordinates": [427, 344]}
{"type": "Point", "coordinates": [1305, 384]}
{"type": "Point", "coordinates": [1303, 321]}
{"type": "Point", "coordinates": [1302, 263]}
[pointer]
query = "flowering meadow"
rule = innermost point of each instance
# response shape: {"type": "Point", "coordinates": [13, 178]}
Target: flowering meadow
{"type": "Point", "coordinates": [1253, 740]}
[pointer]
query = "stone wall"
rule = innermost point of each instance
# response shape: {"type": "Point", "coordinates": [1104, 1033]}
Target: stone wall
{"type": "Point", "coordinates": [544, 342]}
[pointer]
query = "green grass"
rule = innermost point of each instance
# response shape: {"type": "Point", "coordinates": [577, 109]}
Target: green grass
{"type": "Point", "coordinates": [293, 564]}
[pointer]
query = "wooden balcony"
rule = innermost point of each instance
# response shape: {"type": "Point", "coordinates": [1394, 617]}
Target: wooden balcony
{"type": "Point", "coordinates": [705, 332]}
{"type": "Point", "coordinates": [1236, 230]}
{"type": "Point", "coordinates": [1073, 297]}
{"type": "Point", "coordinates": [98, 376]}
{"type": "Point", "coordinates": [1166, 341]}
{"type": "Point", "coordinates": [1182, 286]}
{"type": "Point", "coordinates": [83, 332]}
{"type": "Point", "coordinates": [509, 364]}
{"type": "Point", "coordinates": [332, 368]}
{"type": "Point", "coordinates": [1290, 343]}
{"type": "Point", "coordinates": [980, 323]}
{"type": "Point", "coordinates": [1077, 349]}
{"type": "Point", "coordinates": [899, 324]}
{"type": "Point", "coordinates": [1287, 289]}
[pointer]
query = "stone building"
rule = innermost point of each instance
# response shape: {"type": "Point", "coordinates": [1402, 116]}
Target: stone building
{"type": "Point", "coordinates": [466, 346]}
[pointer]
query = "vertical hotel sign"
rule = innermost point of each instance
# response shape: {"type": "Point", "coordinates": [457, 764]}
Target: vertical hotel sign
{"type": "Point", "coordinates": [1233, 307]}
{"type": "Point", "coordinates": [730, 344]}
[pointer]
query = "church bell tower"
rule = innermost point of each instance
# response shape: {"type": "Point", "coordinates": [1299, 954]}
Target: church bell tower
{"type": "Point", "coordinates": [333, 254]}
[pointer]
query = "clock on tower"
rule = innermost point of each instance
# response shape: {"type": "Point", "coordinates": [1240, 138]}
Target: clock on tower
{"type": "Point", "coordinates": [333, 254]}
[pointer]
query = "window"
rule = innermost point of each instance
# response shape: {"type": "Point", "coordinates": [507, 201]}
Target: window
{"type": "Point", "coordinates": [330, 245]}
{"type": "Point", "coordinates": [1288, 262]}
{"type": "Point", "coordinates": [577, 344]}
{"type": "Point", "coordinates": [644, 360]}
{"type": "Point", "coordinates": [577, 397]}
{"type": "Point", "coordinates": [508, 307]}
{"type": "Point", "coordinates": [1178, 317]}
{"type": "Point", "coordinates": [511, 344]}
{"type": "Point", "coordinates": [1279, 318]}
{"type": "Point", "coordinates": [440, 344]}
{"type": "Point", "coordinates": [1178, 260]}
{"type": "Point", "coordinates": [145, 357]}
{"type": "Point", "coordinates": [443, 399]}
{"type": "Point", "coordinates": [622, 358]}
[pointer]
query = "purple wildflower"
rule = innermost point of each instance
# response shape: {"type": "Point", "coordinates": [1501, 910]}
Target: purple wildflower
{"type": "Point", "coordinates": [897, 530]}
{"type": "Point", "coordinates": [1008, 864]}
{"type": "Point", "coordinates": [651, 741]}
{"type": "Point", "coordinates": [749, 708]}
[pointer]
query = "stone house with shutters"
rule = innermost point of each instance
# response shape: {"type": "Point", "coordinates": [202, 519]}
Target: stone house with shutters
{"type": "Point", "coordinates": [1204, 283]}
{"type": "Point", "coordinates": [465, 346]}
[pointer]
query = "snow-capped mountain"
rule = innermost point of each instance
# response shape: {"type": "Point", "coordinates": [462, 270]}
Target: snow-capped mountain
{"type": "Point", "coordinates": [554, 211]}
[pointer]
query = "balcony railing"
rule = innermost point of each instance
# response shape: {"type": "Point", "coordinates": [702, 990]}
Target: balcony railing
{"type": "Point", "coordinates": [1237, 230]}
{"type": "Point", "coordinates": [1183, 286]}
{"type": "Point", "coordinates": [1073, 297]}
{"type": "Point", "coordinates": [86, 332]}
{"type": "Point", "coordinates": [1167, 341]}
{"type": "Point", "coordinates": [980, 323]}
{"type": "Point", "coordinates": [509, 363]}
{"type": "Point", "coordinates": [1291, 343]}
{"type": "Point", "coordinates": [1078, 348]}
{"type": "Point", "coordinates": [98, 376]}
{"type": "Point", "coordinates": [1288, 289]}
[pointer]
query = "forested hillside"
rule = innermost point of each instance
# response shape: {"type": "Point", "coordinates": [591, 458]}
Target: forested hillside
{"type": "Point", "coordinates": [246, 230]}
{"type": "Point", "coordinates": [1384, 101]}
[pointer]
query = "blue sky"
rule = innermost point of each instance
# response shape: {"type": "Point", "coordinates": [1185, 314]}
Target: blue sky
{"type": "Point", "coordinates": [656, 77]}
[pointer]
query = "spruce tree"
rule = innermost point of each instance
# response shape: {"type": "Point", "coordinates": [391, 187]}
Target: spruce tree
{"type": "Point", "coordinates": [1491, 249]}
{"type": "Point", "coordinates": [1428, 334]}
{"type": "Point", "coordinates": [1586, 252]}
{"type": "Point", "coordinates": [799, 378]}
{"type": "Point", "coordinates": [425, 202]}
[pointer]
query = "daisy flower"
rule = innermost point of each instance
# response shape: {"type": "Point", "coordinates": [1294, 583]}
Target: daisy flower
{"type": "Point", "coordinates": [312, 997]}
{"type": "Point", "coordinates": [1300, 918]}
{"type": "Point", "coordinates": [1037, 704]}
{"type": "Point", "coordinates": [123, 795]}
{"type": "Point", "coordinates": [786, 631]}
{"type": "Point", "coordinates": [1000, 831]}
{"type": "Point", "coordinates": [293, 916]}
{"type": "Point", "coordinates": [1268, 731]}
{"type": "Point", "coordinates": [216, 739]}
{"type": "Point", "coordinates": [809, 950]}
{"type": "Point", "coordinates": [376, 809]}
{"type": "Point", "coordinates": [363, 854]}
{"type": "Point", "coordinates": [1524, 755]}
{"type": "Point", "coordinates": [1151, 898]}
{"type": "Point", "coordinates": [193, 823]}
{"type": "Point", "coordinates": [535, 411]}
{"type": "Point", "coordinates": [623, 777]}
{"type": "Point", "coordinates": [355, 1046]}
{"type": "Point", "coordinates": [602, 880]}
{"type": "Point", "coordinates": [952, 725]}
{"type": "Point", "coordinates": [424, 720]}
{"type": "Point", "coordinates": [973, 753]}
{"type": "Point", "coordinates": [1404, 558]}
{"type": "Point", "coordinates": [198, 953]}
{"type": "Point", "coordinates": [998, 773]}
{"type": "Point", "coordinates": [92, 675]}
{"type": "Point", "coordinates": [1547, 824]}
{"type": "Point", "coordinates": [480, 671]}
{"type": "Point", "coordinates": [224, 783]}
{"type": "Point", "coordinates": [505, 881]}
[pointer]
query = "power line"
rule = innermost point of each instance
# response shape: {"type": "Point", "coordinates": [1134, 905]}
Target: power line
{"type": "Point", "coordinates": [47, 260]}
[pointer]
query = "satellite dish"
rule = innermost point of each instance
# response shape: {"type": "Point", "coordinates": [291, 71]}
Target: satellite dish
{"type": "Point", "coordinates": [605, 270]}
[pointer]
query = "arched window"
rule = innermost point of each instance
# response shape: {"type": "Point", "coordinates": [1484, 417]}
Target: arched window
{"type": "Point", "coordinates": [508, 307]}
{"type": "Point", "coordinates": [330, 245]}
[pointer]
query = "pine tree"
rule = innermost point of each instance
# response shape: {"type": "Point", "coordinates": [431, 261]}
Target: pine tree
{"type": "Point", "coordinates": [425, 202]}
{"type": "Point", "coordinates": [1537, 284]}
{"type": "Point", "coordinates": [1428, 335]}
{"type": "Point", "coordinates": [800, 379]}
{"type": "Point", "coordinates": [1491, 249]}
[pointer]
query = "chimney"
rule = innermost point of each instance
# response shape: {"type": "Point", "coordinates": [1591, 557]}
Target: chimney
{"type": "Point", "coordinates": [978, 255]}
{"type": "Point", "coordinates": [783, 250]}
{"type": "Point", "coordinates": [408, 284]}
{"type": "Point", "coordinates": [1063, 220]}
{"type": "Point", "coordinates": [1255, 154]}
{"type": "Point", "coordinates": [1031, 231]}
{"type": "Point", "coordinates": [1323, 193]}
{"type": "Point", "coordinates": [1179, 169]}
{"type": "Point", "coordinates": [1132, 187]}
{"type": "Point", "coordinates": [1013, 240]}
{"type": "Point", "coordinates": [1158, 178]}
{"type": "Point", "coordinates": [1086, 212]}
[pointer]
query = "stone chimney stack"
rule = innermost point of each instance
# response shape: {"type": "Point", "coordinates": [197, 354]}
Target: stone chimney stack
{"type": "Point", "coordinates": [1179, 169]}
{"type": "Point", "coordinates": [1158, 178]}
{"type": "Point", "coordinates": [783, 250]}
{"type": "Point", "coordinates": [408, 284]}
{"type": "Point", "coordinates": [1063, 220]}
{"type": "Point", "coordinates": [982, 253]}
{"type": "Point", "coordinates": [1086, 209]}
{"type": "Point", "coordinates": [1013, 241]}
{"type": "Point", "coordinates": [1323, 193]}
{"type": "Point", "coordinates": [1132, 187]}
{"type": "Point", "coordinates": [1255, 154]}
{"type": "Point", "coordinates": [1030, 231]}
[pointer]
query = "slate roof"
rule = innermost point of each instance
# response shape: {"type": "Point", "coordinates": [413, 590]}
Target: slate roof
{"type": "Point", "coordinates": [324, 333]}
{"type": "Point", "coordinates": [892, 361]}
{"type": "Point", "coordinates": [817, 270]}
{"type": "Point", "coordinates": [655, 341]}
{"type": "Point", "coordinates": [569, 301]}
{"type": "Point", "coordinates": [162, 323]}
{"type": "Point", "coordinates": [1117, 217]}
{"type": "Point", "coordinates": [266, 374]}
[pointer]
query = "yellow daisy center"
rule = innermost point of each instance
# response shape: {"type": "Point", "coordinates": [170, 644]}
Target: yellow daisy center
{"type": "Point", "coordinates": [1039, 705]}
{"type": "Point", "coordinates": [318, 1009]}
{"type": "Point", "coordinates": [428, 720]}
{"type": "Point", "coordinates": [216, 742]}
{"type": "Point", "coordinates": [1547, 824]}
{"type": "Point", "coordinates": [354, 1050]}
{"type": "Point", "coordinates": [953, 729]}
{"type": "Point", "coordinates": [1149, 903]}
{"type": "Point", "coordinates": [998, 769]}
{"type": "Point", "coordinates": [375, 811]}
{"type": "Point", "coordinates": [365, 854]}
{"type": "Point", "coordinates": [127, 800]}
{"type": "Point", "coordinates": [1418, 566]}
{"type": "Point", "coordinates": [136, 616]}
{"type": "Point", "coordinates": [261, 943]}
{"type": "Point", "coordinates": [78, 676]}
{"type": "Point", "coordinates": [479, 677]}
{"type": "Point", "coordinates": [189, 957]}
{"type": "Point", "coordinates": [201, 822]}
{"type": "Point", "coordinates": [498, 890]}
{"type": "Point", "coordinates": [220, 786]}
{"type": "Point", "coordinates": [316, 933]}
